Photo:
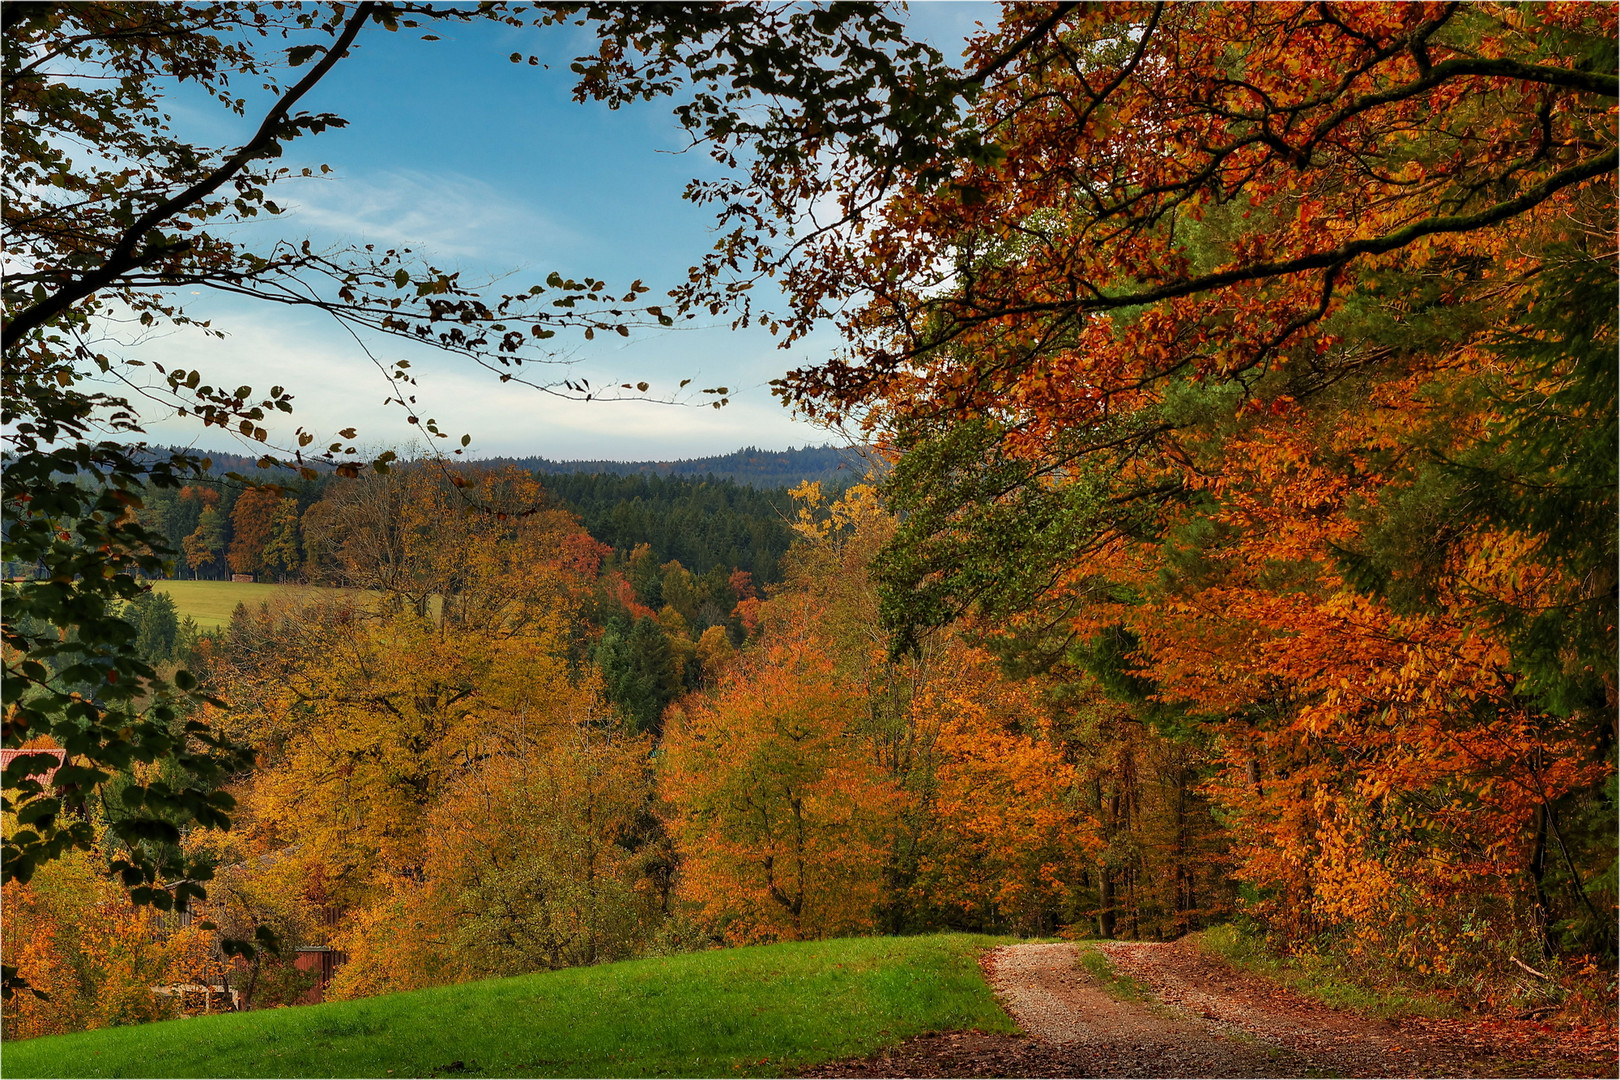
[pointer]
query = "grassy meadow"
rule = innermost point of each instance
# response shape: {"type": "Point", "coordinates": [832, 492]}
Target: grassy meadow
{"type": "Point", "coordinates": [210, 603]}
{"type": "Point", "coordinates": [758, 1011]}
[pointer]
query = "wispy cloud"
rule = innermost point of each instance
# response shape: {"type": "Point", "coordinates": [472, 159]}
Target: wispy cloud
{"type": "Point", "coordinates": [449, 215]}
{"type": "Point", "coordinates": [336, 386]}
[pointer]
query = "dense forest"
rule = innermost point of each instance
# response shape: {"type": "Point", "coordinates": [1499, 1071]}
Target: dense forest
{"type": "Point", "coordinates": [270, 526]}
{"type": "Point", "coordinates": [504, 747]}
{"type": "Point", "coordinates": [829, 465]}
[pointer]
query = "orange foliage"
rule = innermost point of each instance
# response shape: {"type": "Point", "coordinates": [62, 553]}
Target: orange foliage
{"type": "Point", "coordinates": [432, 769]}
{"type": "Point", "coordinates": [96, 955]}
{"type": "Point", "coordinates": [1380, 764]}
{"type": "Point", "coordinates": [823, 788]}
{"type": "Point", "coordinates": [251, 520]}
{"type": "Point", "coordinates": [1234, 277]}
{"type": "Point", "coordinates": [1005, 831]}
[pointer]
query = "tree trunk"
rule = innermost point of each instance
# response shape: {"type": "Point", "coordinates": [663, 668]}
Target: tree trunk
{"type": "Point", "coordinates": [1105, 914]}
{"type": "Point", "coordinates": [1538, 869]}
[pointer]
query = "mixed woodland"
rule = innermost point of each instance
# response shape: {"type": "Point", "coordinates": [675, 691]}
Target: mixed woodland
{"type": "Point", "coordinates": [502, 745]}
{"type": "Point", "coordinates": [1244, 550]}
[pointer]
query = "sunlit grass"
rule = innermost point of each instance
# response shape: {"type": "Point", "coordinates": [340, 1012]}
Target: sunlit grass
{"type": "Point", "coordinates": [210, 603]}
{"type": "Point", "coordinates": [1117, 986]}
{"type": "Point", "coordinates": [758, 1011]}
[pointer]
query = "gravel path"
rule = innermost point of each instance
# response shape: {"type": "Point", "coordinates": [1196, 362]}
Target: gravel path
{"type": "Point", "coordinates": [1058, 1003]}
{"type": "Point", "coordinates": [1206, 1019]}
{"type": "Point", "coordinates": [1307, 1038]}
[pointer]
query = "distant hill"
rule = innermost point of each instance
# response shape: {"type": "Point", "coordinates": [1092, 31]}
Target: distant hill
{"type": "Point", "coordinates": [223, 461]}
{"type": "Point", "coordinates": [832, 465]}
{"type": "Point", "coordinates": [750, 465]}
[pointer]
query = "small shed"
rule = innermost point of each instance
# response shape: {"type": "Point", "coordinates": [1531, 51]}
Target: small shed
{"type": "Point", "coordinates": [322, 962]}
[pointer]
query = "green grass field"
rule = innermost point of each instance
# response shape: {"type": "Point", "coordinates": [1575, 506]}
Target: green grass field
{"type": "Point", "coordinates": [210, 603]}
{"type": "Point", "coordinates": [758, 1011]}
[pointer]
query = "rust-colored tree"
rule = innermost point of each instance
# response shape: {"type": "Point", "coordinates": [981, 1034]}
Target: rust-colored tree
{"type": "Point", "coordinates": [252, 522]}
{"type": "Point", "coordinates": [1231, 372]}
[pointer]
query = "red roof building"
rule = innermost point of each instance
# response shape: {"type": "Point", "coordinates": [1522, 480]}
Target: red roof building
{"type": "Point", "coordinates": [6, 757]}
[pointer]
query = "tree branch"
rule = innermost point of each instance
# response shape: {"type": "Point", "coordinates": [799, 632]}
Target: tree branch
{"type": "Point", "coordinates": [1378, 245]}
{"type": "Point", "coordinates": [123, 256]}
{"type": "Point", "coordinates": [1038, 31]}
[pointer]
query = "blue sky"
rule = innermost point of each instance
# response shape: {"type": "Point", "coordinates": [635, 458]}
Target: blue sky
{"type": "Point", "coordinates": [489, 167]}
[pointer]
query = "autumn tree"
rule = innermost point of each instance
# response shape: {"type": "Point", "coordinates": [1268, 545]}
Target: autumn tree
{"type": "Point", "coordinates": [962, 805]}
{"type": "Point", "coordinates": [490, 595]}
{"type": "Point", "coordinates": [454, 788]}
{"type": "Point", "coordinates": [1260, 189]}
{"type": "Point", "coordinates": [96, 958]}
{"type": "Point", "coordinates": [714, 654]}
{"type": "Point", "coordinates": [1192, 378]}
{"type": "Point", "coordinates": [538, 858]}
{"type": "Point", "coordinates": [1004, 838]}
{"type": "Point", "coordinates": [435, 773]}
{"type": "Point", "coordinates": [263, 895]}
{"type": "Point", "coordinates": [206, 543]}
{"type": "Point", "coordinates": [109, 211]}
{"type": "Point", "coordinates": [251, 519]}
{"type": "Point", "coordinates": [783, 822]}
{"type": "Point", "coordinates": [284, 550]}
{"type": "Point", "coordinates": [174, 514]}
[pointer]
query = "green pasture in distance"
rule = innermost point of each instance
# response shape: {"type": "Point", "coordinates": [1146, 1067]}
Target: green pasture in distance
{"type": "Point", "coordinates": [759, 1011]}
{"type": "Point", "coordinates": [210, 603]}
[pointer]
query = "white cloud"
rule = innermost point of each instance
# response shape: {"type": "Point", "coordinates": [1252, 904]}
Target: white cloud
{"type": "Point", "coordinates": [636, 430]}
{"type": "Point", "coordinates": [333, 385]}
{"type": "Point", "coordinates": [336, 386]}
{"type": "Point", "coordinates": [448, 215]}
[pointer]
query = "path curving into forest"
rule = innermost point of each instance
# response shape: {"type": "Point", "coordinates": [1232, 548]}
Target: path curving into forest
{"type": "Point", "coordinates": [1203, 1018]}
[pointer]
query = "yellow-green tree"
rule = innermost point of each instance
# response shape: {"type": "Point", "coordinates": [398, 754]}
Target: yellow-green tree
{"type": "Point", "coordinates": [783, 817]}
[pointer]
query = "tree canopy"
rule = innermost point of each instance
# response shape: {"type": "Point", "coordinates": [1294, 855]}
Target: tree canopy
{"type": "Point", "coordinates": [1256, 376]}
{"type": "Point", "coordinates": [112, 212]}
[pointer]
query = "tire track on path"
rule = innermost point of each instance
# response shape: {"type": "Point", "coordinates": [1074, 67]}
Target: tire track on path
{"type": "Point", "coordinates": [1206, 1019]}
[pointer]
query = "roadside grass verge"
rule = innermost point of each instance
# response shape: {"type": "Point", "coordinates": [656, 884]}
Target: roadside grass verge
{"type": "Point", "coordinates": [758, 1011]}
{"type": "Point", "coordinates": [1117, 986]}
{"type": "Point", "coordinates": [1321, 979]}
{"type": "Point", "coordinates": [210, 603]}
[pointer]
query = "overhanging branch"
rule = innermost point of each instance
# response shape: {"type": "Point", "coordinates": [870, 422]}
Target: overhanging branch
{"type": "Point", "coordinates": [124, 256]}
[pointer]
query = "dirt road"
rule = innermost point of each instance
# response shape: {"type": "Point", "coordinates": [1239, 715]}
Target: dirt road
{"type": "Point", "coordinates": [1202, 1018]}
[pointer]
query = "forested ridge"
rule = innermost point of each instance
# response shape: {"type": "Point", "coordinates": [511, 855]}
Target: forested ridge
{"type": "Point", "coordinates": [750, 465]}
{"type": "Point", "coordinates": [254, 521]}
{"type": "Point", "coordinates": [704, 520]}
{"type": "Point", "coordinates": [1242, 547]}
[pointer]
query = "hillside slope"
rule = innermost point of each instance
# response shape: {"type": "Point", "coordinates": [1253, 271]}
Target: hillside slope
{"type": "Point", "coordinates": [838, 466]}
{"type": "Point", "coordinates": [757, 1011]}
